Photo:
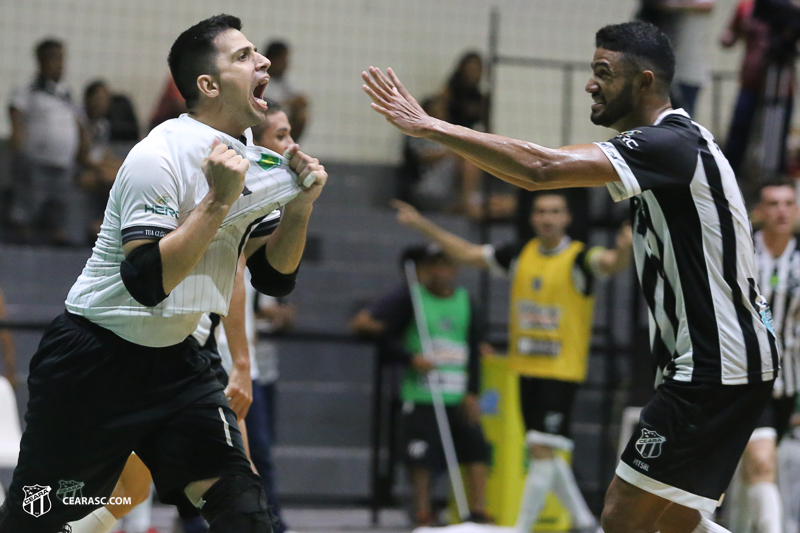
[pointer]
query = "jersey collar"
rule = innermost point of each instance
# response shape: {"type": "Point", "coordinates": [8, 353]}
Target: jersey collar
{"type": "Point", "coordinates": [232, 142]}
{"type": "Point", "coordinates": [663, 115]}
{"type": "Point", "coordinates": [563, 245]}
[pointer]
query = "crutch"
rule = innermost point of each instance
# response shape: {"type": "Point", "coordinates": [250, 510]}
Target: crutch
{"type": "Point", "coordinates": [436, 393]}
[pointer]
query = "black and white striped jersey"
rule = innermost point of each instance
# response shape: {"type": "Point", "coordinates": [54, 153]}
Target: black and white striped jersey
{"type": "Point", "coordinates": [694, 254]}
{"type": "Point", "coordinates": [779, 280]}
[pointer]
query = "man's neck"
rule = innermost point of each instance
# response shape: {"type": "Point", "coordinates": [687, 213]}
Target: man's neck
{"type": "Point", "coordinates": [551, 243]}
{"type": "Point", "coordinates": [218, 121]}
{"type": "Point", "coordinates": [776, 243]}
{"type": "Point", "coordinates": [647, 117]}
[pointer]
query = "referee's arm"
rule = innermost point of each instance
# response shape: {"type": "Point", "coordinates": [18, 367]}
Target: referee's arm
{"type": "Point", "coordinates": [520, 163]}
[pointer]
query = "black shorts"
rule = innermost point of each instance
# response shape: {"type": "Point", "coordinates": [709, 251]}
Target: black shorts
{"type": "Point", "coordinates": [95, 398]}
{"type": "Point", "coordinates": [778, 415]}
{"type": "Point", "coordinates": [690, 438]}
{"type": "Point", "coordinates": [547, 405]}
{"type": "Point", "coordinates": [423, 444]}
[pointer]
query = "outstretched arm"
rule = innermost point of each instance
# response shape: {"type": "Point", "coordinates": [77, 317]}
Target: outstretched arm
{"type": "Point", "coordinates": [520, 163]}
{"type": "Point", "coordinates": [612, 261]}
{"type": "Point", "coordinates": [461, 250]}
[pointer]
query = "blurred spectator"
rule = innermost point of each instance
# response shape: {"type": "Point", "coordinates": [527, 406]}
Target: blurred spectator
{"type": "Point", "coordinates": [98, 165]}
{"type": "Point", "coordinates": [757, 138]}
{"type": "Point", "coordinates": [434, 178]}
{"type": "Point", "coordinates": [452, 322]}
{"type": "Point", "coordinates": [170, 104]}
{"type": "Point", "coordinates": [279, 89]}
{"type": "Point", "coordinates": [122, 118]}
{"type": "Point", "coordinates": [7, 347]}
{"type": "Point", "coordinates": [271, 316]}
{"type": "Point", "coordinates": [686, 24]}
{"type": "Point", "coordinates": [44, 139]}
{"type": "Point", "coordinates": [467, 105]}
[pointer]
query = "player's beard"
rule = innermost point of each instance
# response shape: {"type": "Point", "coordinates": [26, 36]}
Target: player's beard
{"type": "Point", "coordinates": [614, 110]}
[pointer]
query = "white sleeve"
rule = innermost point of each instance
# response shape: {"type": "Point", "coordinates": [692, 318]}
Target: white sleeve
{"type": "Point", "coordinates": [148, 196]}
{"type": "Point", "coordinates": [628, 185]}
{"type": "Point", "coordinates": [20, 98]}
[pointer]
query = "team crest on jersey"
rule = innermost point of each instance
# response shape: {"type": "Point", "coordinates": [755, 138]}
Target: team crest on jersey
{"type": "Point", "coordinates": [69, 489]}
{"type": "Point", "coordinates": [37, 500]}
{"type": "Point", "coordinates": [553, 421]}
{"type": "Point", "coordinates": [649, 444]}
{"type": "Point", "coordinates": [268, 161]}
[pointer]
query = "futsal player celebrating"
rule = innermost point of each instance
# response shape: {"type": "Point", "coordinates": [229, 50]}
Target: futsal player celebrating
{"type": "Point", "coordinates": [117, 372]}
{"type": "Point", "coordinates": [757, 505]}
{"type": "Point", "coordinates": [711, 332]}
{"type": "Point", "coordinates": [550, 328]}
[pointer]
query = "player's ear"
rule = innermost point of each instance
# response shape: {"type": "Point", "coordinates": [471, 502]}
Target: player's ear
{"type": "Point", "coordinates": [208, 85]}
{"type": "Point", "coordinates": [646, 80]}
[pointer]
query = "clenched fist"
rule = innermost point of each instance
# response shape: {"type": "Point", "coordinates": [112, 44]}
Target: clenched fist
{"type": "Point", "coordinates": [225, 170]}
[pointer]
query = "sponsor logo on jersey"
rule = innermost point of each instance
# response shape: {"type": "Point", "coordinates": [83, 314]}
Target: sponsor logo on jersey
{"type": "Point", "coordinates": [162, 210]}
{"type": "Point", "coordinates": [69, 489]}
{"type": "Point", "coordinates": [627, 138]}
{"type": "Point", "coordinates": [37, 500]}
{"type": "Point", "coordinates": [649, 444]}
{"type": "Point", "coordinates": [164, 199]}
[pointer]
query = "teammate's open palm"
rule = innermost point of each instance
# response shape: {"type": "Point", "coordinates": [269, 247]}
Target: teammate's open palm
{"type": "Point", "coordinates": [393, 101]}
{"type": "Point", "coordinates": [225, 170]}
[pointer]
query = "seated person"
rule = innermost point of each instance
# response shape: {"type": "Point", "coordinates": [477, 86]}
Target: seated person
{"type": "Point", "coordinates": [452, 324]}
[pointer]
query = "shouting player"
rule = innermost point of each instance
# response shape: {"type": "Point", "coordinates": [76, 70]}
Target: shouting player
{"type": "Point", "coordinates": [711, 332]}
{"type": "Point", "coordinates": [119, 371]}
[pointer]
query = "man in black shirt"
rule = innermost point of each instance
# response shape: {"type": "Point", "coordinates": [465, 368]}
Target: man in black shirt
{"type": "Point", "coordinates": [711, 329]}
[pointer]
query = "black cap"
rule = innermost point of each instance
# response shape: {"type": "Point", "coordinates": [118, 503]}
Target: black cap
{"type": "Point", "coordinates": [421, 253]}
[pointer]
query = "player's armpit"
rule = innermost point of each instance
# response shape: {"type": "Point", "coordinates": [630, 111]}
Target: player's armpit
{"type": "Point", "coordinates": [141, 272]}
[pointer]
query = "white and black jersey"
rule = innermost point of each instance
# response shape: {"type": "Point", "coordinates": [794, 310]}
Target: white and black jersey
{"type": "Point", "coordinates": [158, 186]}
{"type": "Point", "coordinates": [694, 254]}
{"type": "Point", "coordinates": [779, 280]}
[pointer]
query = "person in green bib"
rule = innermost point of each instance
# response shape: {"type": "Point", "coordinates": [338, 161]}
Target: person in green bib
{"type": "Point", "coordinates": [455, 336]}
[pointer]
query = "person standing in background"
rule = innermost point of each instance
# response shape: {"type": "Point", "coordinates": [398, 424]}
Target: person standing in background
{"type": "Point", "coordinates": [686, 24]}
{"type": "Point", "coordinates": [45, 138]}
{"type": "Point", "coordinates": [294, 103]}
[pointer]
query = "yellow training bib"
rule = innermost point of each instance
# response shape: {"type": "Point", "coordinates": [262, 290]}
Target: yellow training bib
{"type": "Point", "coordinates": [551, 318]}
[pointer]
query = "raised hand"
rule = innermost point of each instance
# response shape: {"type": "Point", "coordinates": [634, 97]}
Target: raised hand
{"type": "Point", "coordinates": [407, 214]}
{"type": "Point", "coordinates": [393, 101]}
{"type": "Point", "coordinates": [225, 170]}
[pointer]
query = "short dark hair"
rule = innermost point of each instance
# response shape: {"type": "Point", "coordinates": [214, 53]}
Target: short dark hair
{"type": "Point", "coordinates": [778, 180]}
{"type": "Point", "coordinates": [92, 88]}
{"type": "Point", "coordinates": [193, 54]}
{"type": "Point", "coordinates": [45, 46]}
{"type": "Point", "coordinates": [276, 48]}
{"type": "Point", "coordinates": [272, 108]}
{"type": "Point", "coordinates": [644, 45]}
{"type": "Point", "coordinates": [551, 192]}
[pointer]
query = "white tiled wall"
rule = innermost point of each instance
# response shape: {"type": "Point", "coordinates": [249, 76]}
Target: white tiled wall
{"type": "Point", "coordinates": [126, 43]}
